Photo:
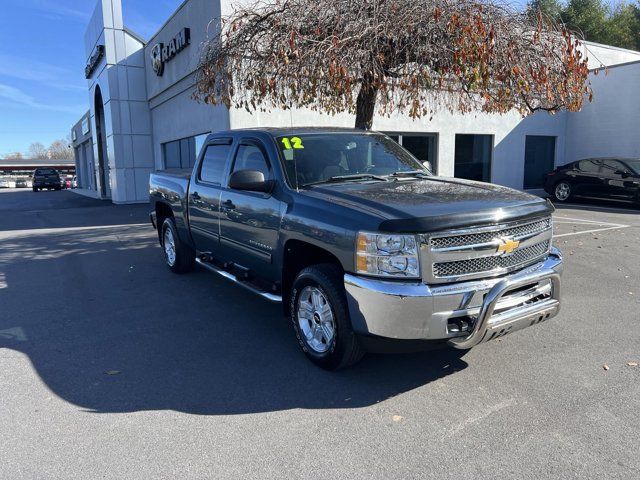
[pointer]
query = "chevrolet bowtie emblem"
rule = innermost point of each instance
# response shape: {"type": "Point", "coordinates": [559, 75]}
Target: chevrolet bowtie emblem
{"type": "Point", "coordinates": [507, 245]}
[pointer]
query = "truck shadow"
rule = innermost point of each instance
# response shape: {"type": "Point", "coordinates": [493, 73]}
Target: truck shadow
{"type": "Point", "coordinates": [108, 328]}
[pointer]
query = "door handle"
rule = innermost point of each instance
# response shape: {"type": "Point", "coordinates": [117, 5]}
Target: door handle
{"type": "Point", "coordinates": [229, 205]}
{"type": "Point", "coordinates": [195, 196]}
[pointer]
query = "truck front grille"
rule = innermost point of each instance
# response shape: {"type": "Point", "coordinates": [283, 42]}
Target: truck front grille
{"type": "Point", "coordinates": [490, 264]}
{"type": "Point", "coordinates": [483, 252]}
{"type": "Point", "coordinates": [484, 237]}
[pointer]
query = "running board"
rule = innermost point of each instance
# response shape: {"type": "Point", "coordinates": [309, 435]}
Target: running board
{"type": "Point", "coordinates": [230, 276]}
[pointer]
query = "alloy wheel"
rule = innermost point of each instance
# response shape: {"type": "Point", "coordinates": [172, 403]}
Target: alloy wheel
{"type": "Point", "coordinates": [315, 318]}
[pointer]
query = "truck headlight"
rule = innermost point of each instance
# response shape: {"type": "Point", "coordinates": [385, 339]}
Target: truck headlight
{"type": "Point", "coordinates": [385, 255]}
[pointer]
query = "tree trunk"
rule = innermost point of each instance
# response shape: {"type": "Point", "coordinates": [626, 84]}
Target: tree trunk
{"type": "Point", "coordinates": [365, 106]}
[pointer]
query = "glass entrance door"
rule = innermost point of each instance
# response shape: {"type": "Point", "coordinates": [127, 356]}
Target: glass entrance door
{"type": "Point", "coordinates": [539, 159]}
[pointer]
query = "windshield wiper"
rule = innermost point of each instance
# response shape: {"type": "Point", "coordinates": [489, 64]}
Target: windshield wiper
{"type": "Point", "coordinates": [346, 178]}
{"type": "Point", "coordinates": [410, 173]}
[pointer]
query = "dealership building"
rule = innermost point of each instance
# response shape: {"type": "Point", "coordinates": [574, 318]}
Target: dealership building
{"type": "Point", "coordinates": [142, 116]}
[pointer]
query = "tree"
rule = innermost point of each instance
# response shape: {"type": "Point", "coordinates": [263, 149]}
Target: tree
{"type": "Point", "coordinates": [552, 9]}
{"type": "Point", "coordinates": [13, 156]}
{"type": "Point", "coordinates": [623, 26]}
{"type": "Point", "coordinates": [412, 56]}
{"type": "Point", "coordinates": [37, 150]}
{"type": "Point", "coordinates": [589, 18]}
{"type": "Point", "coordinates": [60, 150]}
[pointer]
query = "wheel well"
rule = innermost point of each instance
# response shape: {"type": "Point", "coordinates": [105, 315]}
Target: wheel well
{"type": "Point", "coordinates": [299, 255]}
{"type": "Point", "coordinates": [163, 211]}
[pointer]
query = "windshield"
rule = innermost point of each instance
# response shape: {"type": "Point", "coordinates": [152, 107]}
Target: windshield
{"type": "Point", "coordinates": [319, 157]}
{"type": "Point", "coordinates": [634, 165]}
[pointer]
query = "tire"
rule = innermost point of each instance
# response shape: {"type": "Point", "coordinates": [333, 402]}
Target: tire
{"type": "Point", "coordinates": [35, 189]}
{"type": "Point", "coordinates": [179, 257]}
{"type": "Point", "coordinates": [562, 191]}
{"type": "Point", "coordinates": [324, 334]}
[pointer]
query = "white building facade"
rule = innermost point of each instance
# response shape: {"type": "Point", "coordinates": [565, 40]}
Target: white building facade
{"type": "Point", "coordinates": [142, 116]}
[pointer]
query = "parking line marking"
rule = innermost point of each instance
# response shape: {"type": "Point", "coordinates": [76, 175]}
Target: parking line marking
{"type": "Point", "coordinates": [591, 231]}
{"type": "Point", "coordinates": [595, 222]}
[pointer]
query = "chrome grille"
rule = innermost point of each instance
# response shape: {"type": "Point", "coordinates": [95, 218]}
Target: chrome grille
{"type": "Point", "coordinates": [489, 264]}
{"type": "Point", "coordinates": [482, 252]}
{"type": "Point", "coordinates": [485, 237]}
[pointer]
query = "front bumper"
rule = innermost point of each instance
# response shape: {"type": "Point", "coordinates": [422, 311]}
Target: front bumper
{"type": "Point", "coordinates": [465, 314]}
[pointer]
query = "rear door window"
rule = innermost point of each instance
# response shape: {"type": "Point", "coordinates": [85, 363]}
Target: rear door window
{"type": "Point", "coordinates": [214, 162]}
{"type": "Point", "coordinates": [589, 166]}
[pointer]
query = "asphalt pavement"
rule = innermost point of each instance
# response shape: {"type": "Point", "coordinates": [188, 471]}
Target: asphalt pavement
{"type": "Point", "coordinates": [112, 367]}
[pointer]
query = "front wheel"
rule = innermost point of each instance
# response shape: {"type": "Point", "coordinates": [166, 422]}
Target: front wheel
{"type": "Point", "coordinates": [180, 258]}
{"type": "Point", "coordinates": [320, 318]}
{"type": "Point", "coordinates": [562, 191]}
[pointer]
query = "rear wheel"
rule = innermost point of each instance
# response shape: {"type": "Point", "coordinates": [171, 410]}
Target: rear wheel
{"type": "Point", "coordinates": [179, 257]}
{"type": "Point", "coordinates": [35, 189]}
{"type": "Point", "coordinates": [320, 318]}
{"type": "Point", "coordinates": [562, 191]}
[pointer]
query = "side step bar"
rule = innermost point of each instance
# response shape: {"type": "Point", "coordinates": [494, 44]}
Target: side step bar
{"type": "Point", "coordinates": [230, 276]}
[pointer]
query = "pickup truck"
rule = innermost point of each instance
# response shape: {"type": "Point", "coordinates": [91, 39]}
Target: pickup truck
{"type": "Point", "coordinates": [360, 242]}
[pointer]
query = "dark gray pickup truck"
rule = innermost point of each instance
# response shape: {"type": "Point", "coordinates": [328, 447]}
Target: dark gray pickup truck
{"type": "Point", "coordinates": [359, 241]}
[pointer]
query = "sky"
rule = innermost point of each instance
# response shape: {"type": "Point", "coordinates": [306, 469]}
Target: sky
{"type": "Point", "coordinates": [43, 92]}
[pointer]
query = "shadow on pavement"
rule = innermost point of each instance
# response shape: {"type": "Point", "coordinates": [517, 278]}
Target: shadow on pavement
{"type": "Point", "coordinates": [22, 209]}
{"type": "Point", "coordinates": [108, 328]}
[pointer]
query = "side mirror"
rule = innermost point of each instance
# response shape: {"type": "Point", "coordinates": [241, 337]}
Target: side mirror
{"type": "Point", "coordinates": [427, 165]}
{"type": "Point", "coordinates": [622, 173]}
{"type": "Point", "coordinates": [250, 180]}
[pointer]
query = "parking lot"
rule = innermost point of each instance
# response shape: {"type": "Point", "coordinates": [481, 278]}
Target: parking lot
{"type": "Point", "coordinates": [112, 367]}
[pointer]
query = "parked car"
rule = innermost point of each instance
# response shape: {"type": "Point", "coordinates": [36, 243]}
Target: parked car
{"type": "Point", "coordinates": [4, 183]}
{"type": "Point", "coordinates": [48, 178]}
{"type": "Point", "coordinates": [603, 178]}
{"type": "Point", "coordinates": [361, 244]}
{"type": "Point", "coordinates": [74, 182]}
{"type": "Point", "coordinates": [21, 183]}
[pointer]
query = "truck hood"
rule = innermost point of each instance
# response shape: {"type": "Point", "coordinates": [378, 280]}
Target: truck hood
{"type": "Point", "coordinates": [432, 204]}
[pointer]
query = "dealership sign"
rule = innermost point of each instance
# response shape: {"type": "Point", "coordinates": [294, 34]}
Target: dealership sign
{"type": "Point", "coordinates": [94, 60]}
{"type": "Point", "coordinates": [161, 53]}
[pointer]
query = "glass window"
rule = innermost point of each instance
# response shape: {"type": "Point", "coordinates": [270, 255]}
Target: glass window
{"type": "Point", "coordinates": [634, 165]}
{"type": "Point", "coordinates": [591, 166]}
{"type": "Point", "coordinates": [421, 145]}
{"type": "Point", "coordinates": [199, 142]}
{"type": "Point", "coordinates": [539, 158]}
{"type": "Point", "coordinates": [473, 157]}
{"type": "Point", "coordinates": [182, 153]}
{"type": "Point", "coordinates": [250, 157]}
{"type": "Point", "coordinates": [172, 154]}
{"type": "Point", "coordinates": [612, 166]}
{"type": "Point", "coordinates": [214, 162]}
{"type": "Point", "coordinates": [317, 157]}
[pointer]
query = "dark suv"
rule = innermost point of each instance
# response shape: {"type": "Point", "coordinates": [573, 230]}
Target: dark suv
{"type": "Point", "coordinates": [607, 178]}
{"type": "Point", "coordinates": [48, 178]}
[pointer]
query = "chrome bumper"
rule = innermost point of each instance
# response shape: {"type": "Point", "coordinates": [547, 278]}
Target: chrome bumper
{"type": "Point", "coordinates": [465, 314]}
